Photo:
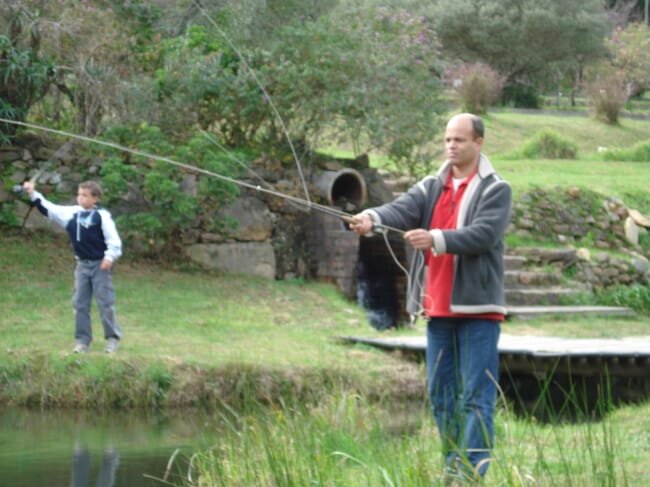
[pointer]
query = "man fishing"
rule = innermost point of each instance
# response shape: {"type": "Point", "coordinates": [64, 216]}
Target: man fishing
{"type": "Point", "coordinates": [457, 219]}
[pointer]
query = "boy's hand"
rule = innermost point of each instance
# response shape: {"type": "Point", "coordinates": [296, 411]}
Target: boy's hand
{"type": "Point", "coordinates": [106, 265]}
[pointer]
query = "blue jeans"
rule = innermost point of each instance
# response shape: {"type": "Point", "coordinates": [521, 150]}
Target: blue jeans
{"type": "Point", "coordinates": [462, 373]}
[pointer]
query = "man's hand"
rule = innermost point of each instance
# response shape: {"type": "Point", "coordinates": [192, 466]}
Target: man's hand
{"type": "Point", "coordinates": [28, 186]}
{"type": "Point", "coordinates": [106, 265]}
{"type": "Point", "coordinates": [361, 223]}
{"type": "Point", "coordinates": [419, 238]}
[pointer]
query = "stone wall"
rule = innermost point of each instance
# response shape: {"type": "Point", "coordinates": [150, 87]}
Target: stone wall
{"type": "Point", "coordinates": [580, 219]}
{"type": "Point", "coordinates": [278, 239]}
{"type": "Point", "coordinates": [275, 237]}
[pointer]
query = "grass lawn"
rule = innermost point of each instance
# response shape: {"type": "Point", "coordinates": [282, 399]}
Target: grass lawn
{"type": "Point", "coordinates": [344, 416]}
{"type": "Point", "coordinates": [505, 131]}
{"type": "Point", "coordinates": [182, 320]}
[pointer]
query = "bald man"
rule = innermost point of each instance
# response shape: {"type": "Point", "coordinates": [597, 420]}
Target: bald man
{"type": "Point", "coordinates": [456, 220]}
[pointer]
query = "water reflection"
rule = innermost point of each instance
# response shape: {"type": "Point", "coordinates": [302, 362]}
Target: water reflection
{"type": "Point", "coordinates": [81, 467]}
{"type": "Point", "coordinates": [95, 449]}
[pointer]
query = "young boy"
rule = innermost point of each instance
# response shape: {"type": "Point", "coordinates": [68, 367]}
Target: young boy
{"type": "Point", "coordinates": [96, 246]}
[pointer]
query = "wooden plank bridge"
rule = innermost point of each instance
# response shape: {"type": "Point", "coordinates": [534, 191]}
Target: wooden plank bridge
{"type": "Point", "coordinates": [525, 353]}
{"type": "Point", "coordinates": [617, 369]}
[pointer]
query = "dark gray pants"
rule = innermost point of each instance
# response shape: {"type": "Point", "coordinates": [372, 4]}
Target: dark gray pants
{"type": "Point", "coordinates": [90, 279]}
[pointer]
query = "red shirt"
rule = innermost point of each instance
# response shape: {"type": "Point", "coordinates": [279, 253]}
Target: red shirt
{"type": "Point", "coordinates": [440, 275]}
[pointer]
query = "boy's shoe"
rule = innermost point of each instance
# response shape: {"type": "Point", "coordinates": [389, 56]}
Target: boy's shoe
{"type": "Point", "coordinates": [80, 348]}
{"type": "Point", "coordinates": [111, 345]}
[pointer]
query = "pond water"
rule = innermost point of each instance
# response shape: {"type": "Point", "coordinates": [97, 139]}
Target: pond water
{"type": "Point", "coordinates": [98, 449]}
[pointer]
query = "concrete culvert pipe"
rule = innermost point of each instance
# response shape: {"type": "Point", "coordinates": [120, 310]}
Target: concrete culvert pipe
{"type": "Point", "coordinates": [345, 189]}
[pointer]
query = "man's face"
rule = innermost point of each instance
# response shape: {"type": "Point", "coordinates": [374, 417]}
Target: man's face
{"type": "Point", "coordinates": [462, 148]}
{"type": "Point", "coordinates": [85, 199]}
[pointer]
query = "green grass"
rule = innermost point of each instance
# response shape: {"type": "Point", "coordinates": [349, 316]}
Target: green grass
{"type": "Point", "coordinates": [241, 330]}
{"type": "Point", "coordinates": [505, 131]}
{"type": "Point", "coordinates": [346, 441]}
{"type": "Point", "coordinates": [611, 179]}
{"type": "Point", "coordinates": [339, 414]}
{"type": "Point", "coordinates": [194, 316]}
{"type": "Point", "coordinates": [508, 131]}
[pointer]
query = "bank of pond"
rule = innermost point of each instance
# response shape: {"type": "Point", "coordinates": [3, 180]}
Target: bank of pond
{"type": "Point", "coordinates": [343, 440]}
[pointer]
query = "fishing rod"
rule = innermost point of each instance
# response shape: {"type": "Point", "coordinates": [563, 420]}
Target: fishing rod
{"type": "Point", "coordinates": [377, 228]}
{"type": "Point", "coordinates": [306, 204]}
{"type": "Point", "coordinates": [19, 190]}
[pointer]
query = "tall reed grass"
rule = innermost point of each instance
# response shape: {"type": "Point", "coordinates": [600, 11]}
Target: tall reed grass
{"type": "Point", "coordinates": [347, 441]}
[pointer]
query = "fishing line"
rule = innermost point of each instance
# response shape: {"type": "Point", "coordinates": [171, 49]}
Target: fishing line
{"type": "Point", "coordinates": [347, 217]}
{"type": "Point", "coordinates": [212, 139]}
{"type": "Point", "coordinates": [285, 131]}
{"type": "Point", "coordinates": [308, 205]}
{"type": "Point", "coordinates": [306, 202]}
{"type": "Point", "coordinates": [377, 228]}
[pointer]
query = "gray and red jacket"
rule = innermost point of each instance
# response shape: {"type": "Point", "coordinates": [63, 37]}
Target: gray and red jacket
{"type": "Point", "coordinates": [477, 242]}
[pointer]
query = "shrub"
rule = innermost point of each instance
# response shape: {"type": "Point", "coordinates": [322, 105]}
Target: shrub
{"type": "Point", "coordinates": [477, 85]}
{"type": "Point", "coordinates": [170, 202]}
{"type": "Point", "coordinates": [634, 297]}
{"type": "Point", "coordinates": [639, 152]}
{"type": "Point", "coordinates": [607, 93]}
{"type": "Point", "coordinates": [520, 95]}
{"type": "Point", "coordinates": [547, 144]}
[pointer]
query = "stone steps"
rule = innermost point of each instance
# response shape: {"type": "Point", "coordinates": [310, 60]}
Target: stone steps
{"type": "Point", "coordinates": [523, 278]}
{"type": "Point", "coordinates": [559, 311]}
{"type": "Point", "coordinates": [551, 295]}
{"type": "Point", "coordinates": [529, 287]}
{"type": "Point", "coordinates": [514, 262]}
{"type": "Point", "coordinates": [537, 291]}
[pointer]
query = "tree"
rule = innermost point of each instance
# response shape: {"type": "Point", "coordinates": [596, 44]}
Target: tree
{"type": "Point", "coordinates": [630, 49]}
{"type": "Point", "coordinates": [528, 41]}
{"type": "Point", "coordinates": [374, 81]}
{"type": "Point", "coordinates": [477, 85]}
{"type": "Point", "coordinates": [93, 46]}
{"type": "Point", "coordinates": [25, 74]}
{"type": "Point", "coordinates": [87, 50]}
{"type": "Point", "coordinates": [371, 76]}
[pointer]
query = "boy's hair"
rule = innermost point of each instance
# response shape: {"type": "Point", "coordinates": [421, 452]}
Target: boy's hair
{"type": "Point", "coordinates": [94, 188]}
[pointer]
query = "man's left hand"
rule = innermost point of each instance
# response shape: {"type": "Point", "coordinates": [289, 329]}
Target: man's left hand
{"type": "Point", "coordinates": [419, 238]}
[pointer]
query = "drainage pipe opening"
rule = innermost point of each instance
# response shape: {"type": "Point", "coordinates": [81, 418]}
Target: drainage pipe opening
{"type": "Point", "coordinates": [345, 189]}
